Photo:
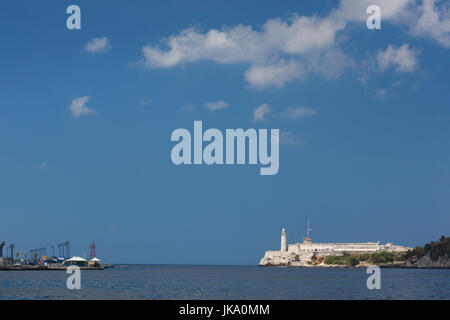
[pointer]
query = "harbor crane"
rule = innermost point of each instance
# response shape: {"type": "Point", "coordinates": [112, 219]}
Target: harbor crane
{"type": "Point", "coordinates": [38, 253]}
{"type": "Point", "coordinates": [67, 246]}
{"type": "Point", "coordinates": [10, 251]}
{"type": "Point", "coordinates": [1, 248]}
{"type": "Point", "coordinates": [92, 253]}
{"type": "Point", "coordinates": [64, 249]}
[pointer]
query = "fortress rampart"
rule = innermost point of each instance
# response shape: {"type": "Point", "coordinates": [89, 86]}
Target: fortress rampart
{"type": "Point", "coordinates": [301, 253]}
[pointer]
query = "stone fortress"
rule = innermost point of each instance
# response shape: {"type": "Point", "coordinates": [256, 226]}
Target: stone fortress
{"type": "Point", "coordinates": [299, 254]}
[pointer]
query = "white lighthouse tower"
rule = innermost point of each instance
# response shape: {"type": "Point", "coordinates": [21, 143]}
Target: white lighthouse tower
{"type": "Point", "coordinates": [283, 240]}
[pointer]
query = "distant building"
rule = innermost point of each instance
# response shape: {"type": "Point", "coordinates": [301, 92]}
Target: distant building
{"type": "Point", "coordinates": [76, 261]}
{"type": "Point", "coordinates": [5, 261]}
{"type": "Point", "coordinates": [94, 262]}
{"type": "Point", "coordinates": [300, 253]}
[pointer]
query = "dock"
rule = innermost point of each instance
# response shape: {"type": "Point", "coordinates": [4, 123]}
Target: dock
{"type": "Point", "coordinates": [44, 268]}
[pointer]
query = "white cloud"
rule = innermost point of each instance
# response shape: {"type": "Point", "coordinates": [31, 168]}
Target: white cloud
{"type": "Point", "coordinates": [259, 114]}
{"type": "Point", "coordinates": [297, 35]}
{"type": "Point", "coordinates": [263, 50]}
{"type": "Point", "coordinates": [331, 64]}
{"type": "Point", "coordinates": [146, 101]}
{"type": "Point", "coordinates": [287, 138]}
{"type": "Point", "coordinates": [403, 59]}
{"type": "Point", "coordinates": [275, 75]}
{"type": "Point", "coordinates": [300, 112]}
{"type": "Point", "coordinates": [433, 20]}
{"type": "Point", "coordinates": [238, 44]}
{"type": "Point", "coordinates": [301, 34]}
{"type": "Point", "coordinates": [242, 43]}
{"type": "Point", "coordinates": [355, 10]}
{"type": "Point", "coordinates": [97, 45]}
{"type": "Point", "coordinates": [286, 50]}
{"type": "Point", "coordinates": [213, 106]}
{"type": "Point", "coordinates": [78, 107]}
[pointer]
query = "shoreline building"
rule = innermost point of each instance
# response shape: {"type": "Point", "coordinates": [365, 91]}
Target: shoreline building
{"type": "Point", "coordinates": [298, 254]}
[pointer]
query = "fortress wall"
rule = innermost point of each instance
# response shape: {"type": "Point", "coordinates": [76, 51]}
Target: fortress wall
{"type": "Point", "coordinates": [304, 251]}
{"type": "Point", "coordinates": [394, 248]}
{"type": "Point", "coordinates": [276, 258]}
{"type": "Point", "coordinates": [271, 254]}
{"type": "Point", "coordinates": [293, 248]}
{"type": "Point", "coordinates": [367, 246]}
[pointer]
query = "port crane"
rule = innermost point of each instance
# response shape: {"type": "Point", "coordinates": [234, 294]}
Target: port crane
{"type": "Point", "coordinates": [1, 248]}
{"type": "Point", "coordinates": [64, 249]}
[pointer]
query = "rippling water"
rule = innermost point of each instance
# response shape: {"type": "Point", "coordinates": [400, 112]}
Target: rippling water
{"type": "Point", "coordinates": [226, 282]}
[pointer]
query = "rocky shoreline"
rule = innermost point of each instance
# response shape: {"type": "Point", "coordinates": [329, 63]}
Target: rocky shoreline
{"type": "Point", "coordinates": [424, 262]}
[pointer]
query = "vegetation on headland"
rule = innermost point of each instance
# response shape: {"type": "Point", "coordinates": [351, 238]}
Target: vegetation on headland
{"type": "Point", "coordinates": [353, 260]}
{"type": "Point", "coordinates": [436, 250]}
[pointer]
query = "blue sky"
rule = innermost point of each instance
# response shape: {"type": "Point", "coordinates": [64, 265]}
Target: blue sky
{"type": "Point", "coordinates": [364, 116]}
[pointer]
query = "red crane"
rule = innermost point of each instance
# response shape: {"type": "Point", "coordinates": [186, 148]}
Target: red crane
{"type": "Point", "coordinates": [92, 255]}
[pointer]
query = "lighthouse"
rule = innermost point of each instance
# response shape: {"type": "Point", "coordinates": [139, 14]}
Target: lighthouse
{"type": "Point", "coordinates": [283, 240]}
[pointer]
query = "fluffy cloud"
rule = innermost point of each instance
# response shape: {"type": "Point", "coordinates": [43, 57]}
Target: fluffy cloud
{"type": "Point", "coordinates": [285, 50]}
{"type": "Point", "coordinates": [259, 114]}
{"type": "Point", "coordinates": [78, 107]}
{"type": "Point", "coordinates": [433, 21]}
{"type": "Point", "coordinates": [243, 44]}
{"type": "Point", "coordinates": [301, 34]}
{"type": "Point", "coordinates": [403, 59]}
{"type": "Point", "coordinates": [275, 75]}
{"type": "Point", "coordinates": [355, 10]}
{"type": "Point", "coordinates": [424, 18]}
{"type": "Point", "coordinates": [97, 45]}
{"type": "Point", "coordinates": [238, 44]}
{"type": "Point", "coordinates": [330, 64]}
{"type": "Point", "coordinates": [298, 38]}
{"type": "Point", "coordinates": [219, 105]}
